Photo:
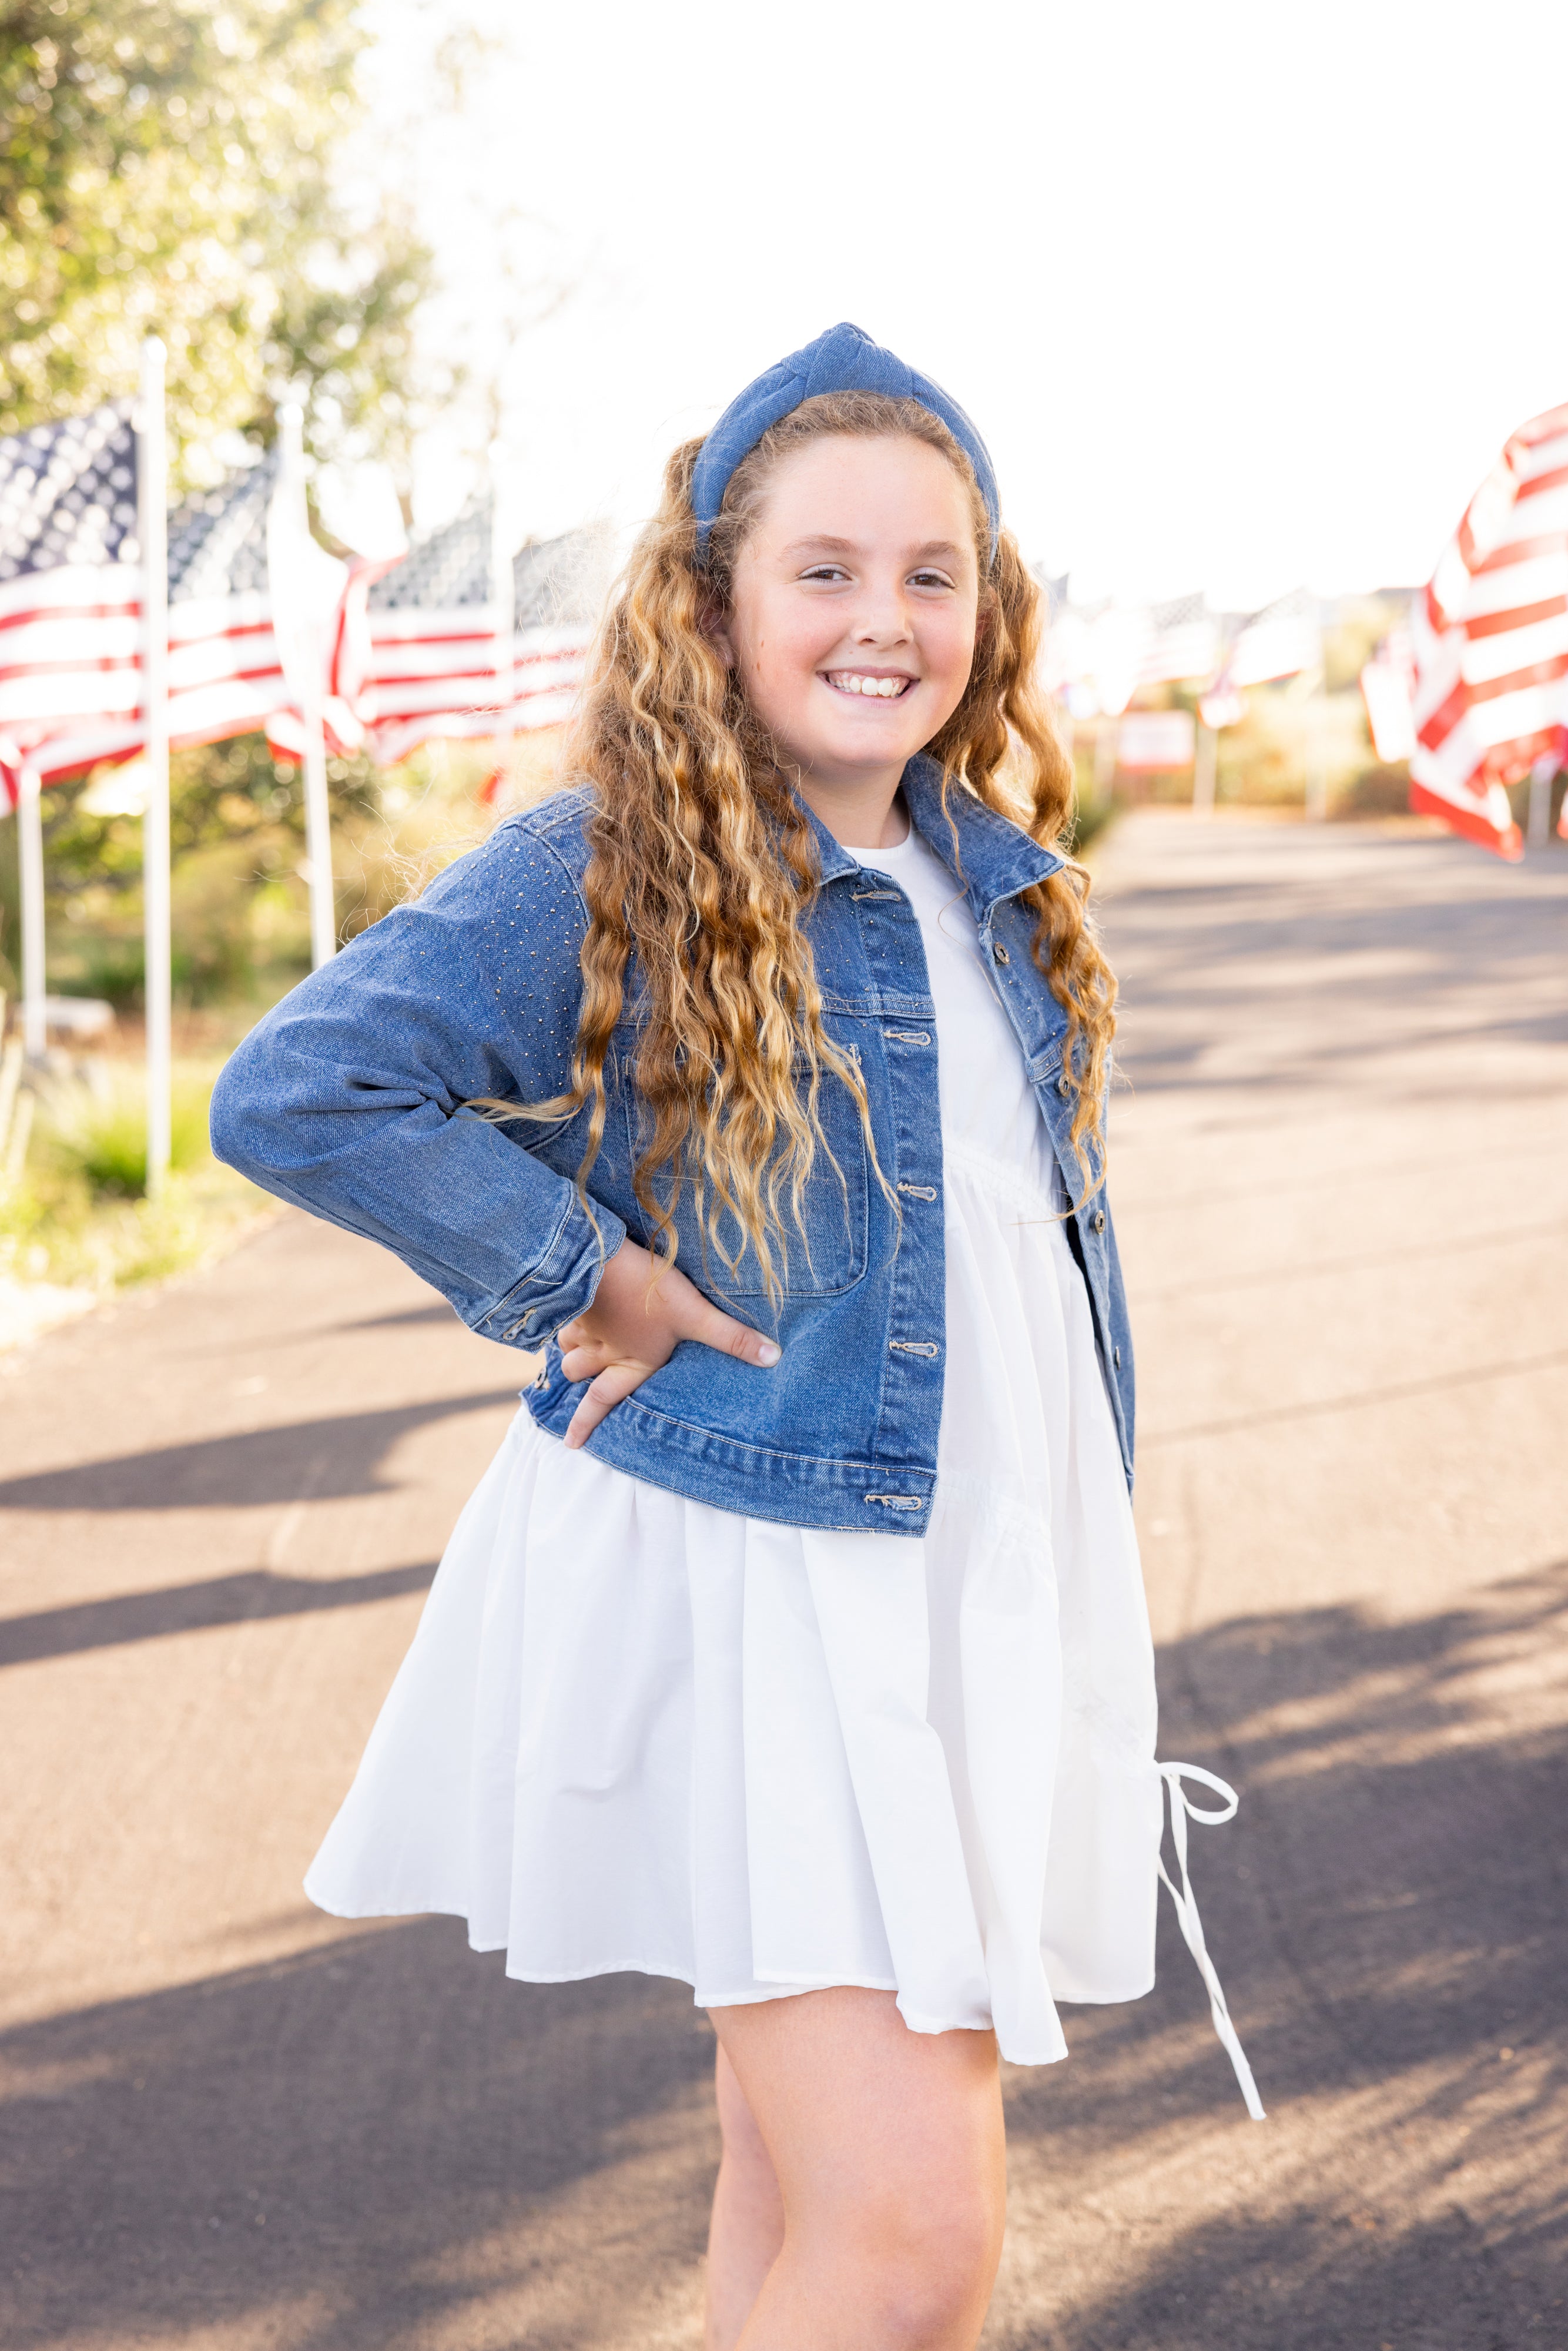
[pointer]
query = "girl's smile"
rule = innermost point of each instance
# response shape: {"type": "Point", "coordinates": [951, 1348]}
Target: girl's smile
{"type": "Point", "coordinates": [886, 682]}
{"type": "Point", "coordinates": [853, 615]}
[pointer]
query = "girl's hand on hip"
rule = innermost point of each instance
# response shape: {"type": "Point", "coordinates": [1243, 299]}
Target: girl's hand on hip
{"type": "Point", "coordinates": [638, 1315]}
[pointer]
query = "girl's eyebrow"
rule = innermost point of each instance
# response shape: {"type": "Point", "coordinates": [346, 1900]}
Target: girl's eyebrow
{"type": "Point", "coordinates": [929, 547]}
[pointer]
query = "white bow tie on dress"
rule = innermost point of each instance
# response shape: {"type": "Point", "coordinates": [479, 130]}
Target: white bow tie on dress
{"type": "Point", "coordinates": [1173, 1774]}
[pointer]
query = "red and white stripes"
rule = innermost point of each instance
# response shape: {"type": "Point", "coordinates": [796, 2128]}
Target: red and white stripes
{"type": "Point", "coordinates": [432, 674]}
{"type": "Point", "coordinates": [426, 649]}
{"type": "Point", "coordinates": [1491, 641]}
{"type": "Point", "coordinates": [70, 687]}
{"type": "Point", "coordinates": [70, 631]}
{"type": "Point", "coordinates": [422, 645]}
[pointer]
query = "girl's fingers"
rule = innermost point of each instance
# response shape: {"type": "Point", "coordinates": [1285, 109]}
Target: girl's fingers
{"type": "Point", "coordinates": [603, 1395]}
{"type": "Point", "coordinates": [715, 1329]}
{"type": "Point", "coordinates": [687, 1315]}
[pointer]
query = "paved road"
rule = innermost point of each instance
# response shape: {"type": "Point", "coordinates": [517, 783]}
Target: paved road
{"type": "Point", "coordinates": [1343, 1184]}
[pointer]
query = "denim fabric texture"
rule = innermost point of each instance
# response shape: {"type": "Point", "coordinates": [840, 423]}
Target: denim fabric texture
{"type": "Point", "coordinates": [349, 1100]}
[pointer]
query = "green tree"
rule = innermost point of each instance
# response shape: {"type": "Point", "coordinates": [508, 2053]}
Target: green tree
{"type": "Point", "coordinates": [167, 166]}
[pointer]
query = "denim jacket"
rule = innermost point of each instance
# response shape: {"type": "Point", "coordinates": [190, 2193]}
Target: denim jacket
{"type": "Point", "coordinates": [348, 1099]}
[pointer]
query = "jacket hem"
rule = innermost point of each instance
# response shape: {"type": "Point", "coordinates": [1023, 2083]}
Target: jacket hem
{"type": "Point", "coordinates": [752, 1481]}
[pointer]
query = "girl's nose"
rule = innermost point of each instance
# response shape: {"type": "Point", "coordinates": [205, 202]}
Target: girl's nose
{"type": "Point", "coordinates": [883, 620]}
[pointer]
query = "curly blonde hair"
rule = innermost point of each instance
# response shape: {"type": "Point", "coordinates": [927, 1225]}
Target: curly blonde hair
{"type": "Point", "coordinates": [702, 861]}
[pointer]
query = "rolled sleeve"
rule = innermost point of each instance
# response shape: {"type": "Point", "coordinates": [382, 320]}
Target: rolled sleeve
{"type": "Point", "coordinates": [562, 1285]}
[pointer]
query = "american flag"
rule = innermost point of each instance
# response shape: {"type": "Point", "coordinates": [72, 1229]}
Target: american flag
{"type": "Point", "coordinates": [70, 601]}
{"type": "Point", "coordinates": [423, 651]}
{"type": "Point", "coordinates": [1184, 642]}
{"type": "Point", "coordinates": [1064, 665]}
{"type": "Point", "coordinates": [1281, 640]}
{"type": "Point", "coordinates": [70, 583]}
{"type": "Point", "coordinates": [1491, 641]}
{"type": "Point", "coordinates": [1119, 641]}
{"type": "Point", "coordinates": [1113, 649]}
{"type": "Point", "coordinates": [1386, 684]}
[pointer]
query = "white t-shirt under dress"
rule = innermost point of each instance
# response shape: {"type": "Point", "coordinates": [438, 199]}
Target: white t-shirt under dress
{"type": "Point", "coordinates": [636, 1732]}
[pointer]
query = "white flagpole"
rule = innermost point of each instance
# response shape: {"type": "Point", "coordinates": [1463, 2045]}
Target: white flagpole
{"type": "Point", "coordinates": [1317, 734]}
{"type": "Point", "coordinates": [1542, 776]}
{"type": "Point", "coordinates": [1206, 769]}
{"type": "Point", "coordinates": [503, 595]}
{"type": "Point", "coordinates": [30, 860]}
{"type": "Point", "coordinates": [318, 809]}
{"type": "Point", "coordinates": [1106, 736]}
{"type": "Point", "coordinates": [152, 534]}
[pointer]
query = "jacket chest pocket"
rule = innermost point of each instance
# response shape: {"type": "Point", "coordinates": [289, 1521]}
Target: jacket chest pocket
{"type": "Point", "coordinates": [822, 1254]}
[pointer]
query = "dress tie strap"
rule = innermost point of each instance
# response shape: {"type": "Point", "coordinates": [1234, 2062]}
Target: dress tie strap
{"type": "Point", "coordinates": [1182, 1808]}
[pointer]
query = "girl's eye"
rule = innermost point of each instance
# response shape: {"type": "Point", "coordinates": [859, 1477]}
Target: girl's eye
{"type": "Point", "coordinates": [930, 580]}
{"type": "Point", "coordinates": [825, 571]}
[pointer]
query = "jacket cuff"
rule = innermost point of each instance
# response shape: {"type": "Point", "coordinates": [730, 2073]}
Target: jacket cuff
{"type": "Point", "coordinates": [561, 1285]}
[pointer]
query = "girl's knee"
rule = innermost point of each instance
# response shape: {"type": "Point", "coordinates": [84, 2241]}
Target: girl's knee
{"type": "Point", "coordinates": [927, 2302]}
{"type": "Point", "coordinates": [927, 2260]}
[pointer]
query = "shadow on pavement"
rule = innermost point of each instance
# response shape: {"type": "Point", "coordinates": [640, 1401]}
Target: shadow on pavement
{"type": "Point", "coordinates": [183, 1607]}
{"type": "Point", "coordinates": [1365, 964]}
{"type": "Point", "coordinates": [443, 1314]}
{"type": "Point", "coordinates": [351, 2128]}
{"type": "Point", "coordinates": [1386, 1917]}
{"type": "Point", "coordinates": [324, 1458]}
{"type": "Point", "coordinates": [1356, 1400]}
{"type": "Point", "coordinates": [386, 2128]}
{"type": "Point", "coordinates": [1307, 1268]}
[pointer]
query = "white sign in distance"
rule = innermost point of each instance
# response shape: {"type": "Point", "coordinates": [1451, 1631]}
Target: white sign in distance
{"type": "Point", "coordinates": [1155, 742]}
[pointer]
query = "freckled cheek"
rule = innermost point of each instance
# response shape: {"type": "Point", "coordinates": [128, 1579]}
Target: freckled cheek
{"type": "Point", "coordinates": [777, 686]}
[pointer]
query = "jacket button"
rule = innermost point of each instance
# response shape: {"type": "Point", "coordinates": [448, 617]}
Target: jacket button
{"type": "Point", "coordinates": [1099, 1220]}
{"type": "Point", "coordinates": [1064, 1085]}
{"type": "Point", "coordinates": [1000, 952]}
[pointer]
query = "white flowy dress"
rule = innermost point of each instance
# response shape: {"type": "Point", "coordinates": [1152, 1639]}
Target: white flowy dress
{"type": "Point", "coordinates": [636, 1732]}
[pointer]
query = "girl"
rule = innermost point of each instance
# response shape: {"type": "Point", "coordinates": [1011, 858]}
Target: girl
{"type": "Point", "coordinates": [795, 1644]}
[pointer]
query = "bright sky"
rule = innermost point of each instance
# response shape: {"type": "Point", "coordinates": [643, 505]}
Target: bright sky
{"type": "Point", "coordinates": [1242, 296]}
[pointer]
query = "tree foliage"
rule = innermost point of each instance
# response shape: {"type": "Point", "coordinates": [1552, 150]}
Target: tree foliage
{"type": "Point", "coordinates": [167, 166]}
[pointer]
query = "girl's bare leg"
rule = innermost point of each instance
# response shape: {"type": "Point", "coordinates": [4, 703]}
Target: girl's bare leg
{"type": "Point", "coordinates": [748, 2226]}
{"type": "Point", "coordinates": [886, 2147]}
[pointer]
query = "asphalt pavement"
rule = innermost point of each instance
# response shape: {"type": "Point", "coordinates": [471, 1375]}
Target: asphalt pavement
{"type": "Point", "coordinates": [1341, 1179]}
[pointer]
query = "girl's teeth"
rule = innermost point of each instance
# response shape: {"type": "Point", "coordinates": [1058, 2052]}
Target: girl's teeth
{"type": "Point", "coordinates": [851, 682]}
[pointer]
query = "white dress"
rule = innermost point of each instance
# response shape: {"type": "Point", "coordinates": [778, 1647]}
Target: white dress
{"type": "Point", "coordinates": [636, 1732]}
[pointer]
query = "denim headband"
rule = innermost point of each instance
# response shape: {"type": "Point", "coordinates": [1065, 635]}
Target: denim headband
{"type": "Point", "coordinates": [843, 359]}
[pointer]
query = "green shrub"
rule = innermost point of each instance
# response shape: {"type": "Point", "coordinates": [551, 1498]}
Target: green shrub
{"type": "Point", "coordinates": [1091, 816]}
{"type": "Point", "coordinates": [106, 965]}
{"type": "Point", "coordinates": [103, 1137]}
{"type": "Point", "coordinates": [79, 1215]}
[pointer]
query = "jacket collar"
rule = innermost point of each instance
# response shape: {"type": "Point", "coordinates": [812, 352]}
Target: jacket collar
{"type": "Point", "coordinates": [993, 858]}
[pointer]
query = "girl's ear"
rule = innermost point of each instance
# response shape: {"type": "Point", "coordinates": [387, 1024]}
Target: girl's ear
{"type": "Point", "coordinates": [714, 626]}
